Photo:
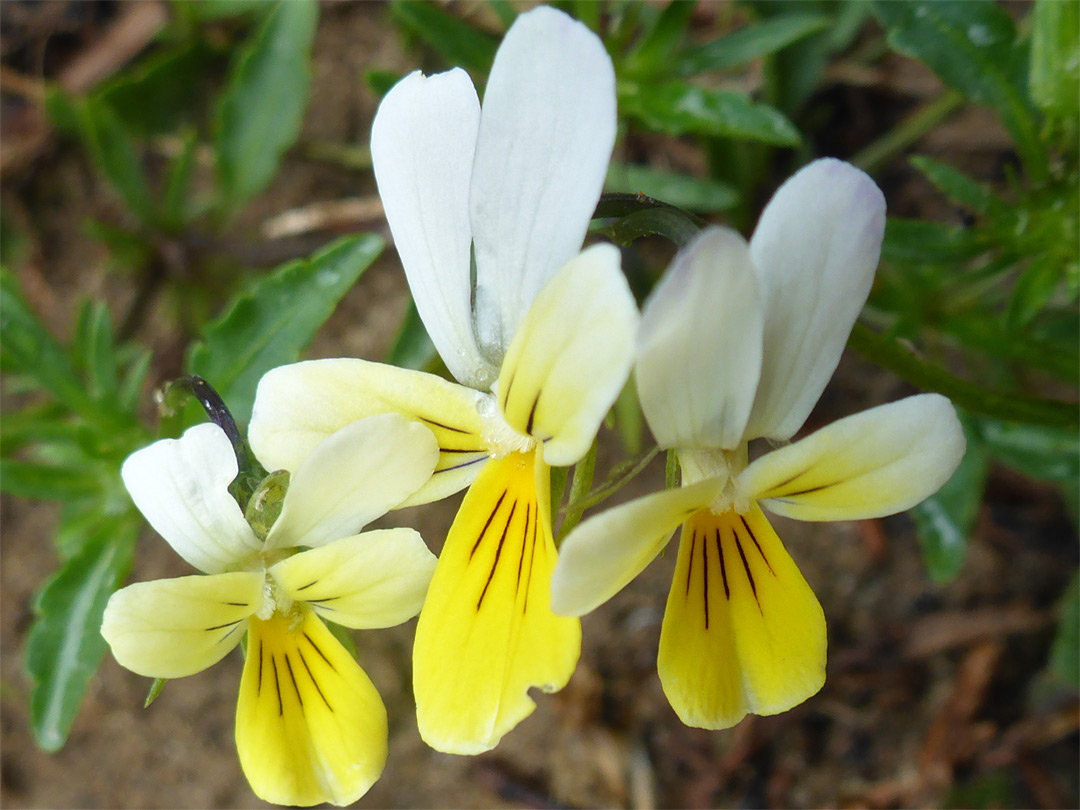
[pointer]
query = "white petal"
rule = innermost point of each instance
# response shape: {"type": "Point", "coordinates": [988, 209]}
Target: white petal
{"type": "Point", "coordinates": [546, 133]}
{"type": "Point", "coordinates": [699, 346]}
{"type": "Point", "coordinates": [601, 555]}
{"type": "Point", "coordinates": [875, 463]}
{"type": "Point", "coordinates": [182, 488]}
{"type": "Point", "coordinates": [422, 145]}
{"type": "Point", "coordinates": [352, 477]}
{"type": "Point", "coordinates": [374, 579]}
{"type": "Point", "coordinates": [571, 356]}
{"type": "Point", "coordinates": [815, 250]}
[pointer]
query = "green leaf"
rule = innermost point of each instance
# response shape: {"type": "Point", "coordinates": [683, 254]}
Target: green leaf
{"type": "Point", "coordinates": [261, 110]}
{"type": "Point", "coordinates": [47, 482]}
{"type": "Point", "coordinates": [113, 150]}
{"type": "Point", "coordinates": [759, 39]}
{"type": "Point", "coordinates": [958, 186]}
{"type": "Point", "coordinates": [679, 190]}
{"type": "Point", "coordinates": [1065, 650]}
{"type": "Point", "coordinates": [413, 347]}
{"type": "Point", "coordinates": [456, 41]}
{"type": "Point", "coordinates": [1045, 453]}
{"type": "Point", "coordinates": [97, 354]}
{"type": "Point", "coordinates": [1055, 57]}
{"type": "Point", "coordinates": [65, 647]}
{"type": "Point", "coordinates": [1034, 289]}
{"type": "Point", "coordinates": [271, 324]}
{"type": "Point", "coordinates": [208, 10]}
{"type": "Point", "coordinates": [380, 81]}
{"type": "Point", "coordinates": [63, 111]}
{"type": "Point", "coordinates": [676, 108]}
{"type": "Point", "coordinates": [652, 54]}
{"type": "Point", "coordinates": [945, 520]}
{"type": "Point", "coordinates": [916, 240]}
{"type": "Point", "coordinates": [973, 46]}
{"type": "Point", "coordinates": [176, 206]}
{"type": "Point", "coordinates": [504, 10]}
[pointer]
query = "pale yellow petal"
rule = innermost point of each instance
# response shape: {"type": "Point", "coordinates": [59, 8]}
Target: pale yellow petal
{"type": "Point", "coordinates": [743, 633]}
{"type": "Point", "coordinates": [374, 579]}
{"type": "Point", "coordinates": [310, 727]}
{"type": "Point", "coordinates": [169, 628]}
{"type": "Point", "coordinates": [486, 633]}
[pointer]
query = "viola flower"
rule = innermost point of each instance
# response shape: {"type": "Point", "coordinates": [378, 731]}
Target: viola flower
{"type": "Point", "coordinates": [737, 342]}
{"type": "Point", "coordinates": [310, 726]}
{"type": "Point", "coordinates": [541, 345]}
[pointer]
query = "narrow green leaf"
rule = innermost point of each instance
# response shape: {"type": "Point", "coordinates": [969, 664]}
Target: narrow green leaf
{"type": "Point", "coordinates": [263, 105]}
{"type": "Point", "coordinates": [455, 40]}
{"type": "Point", "coordinates": [580, 485]}
{"type": "Point", "coordinates": [209, 10]}
{"type": "Point", "coordinates": [272, 323]}
{"type": "Point", "coordinates": [63, 111]}
{"type": "Point", "coordinates": [176, 205]}
{"type": "Point", "coordinates": [413, 347]}
{"type": "Point", "coordinates": [692, 193]}
{"type": "Point", "coordinates": [114, 152]}
{"type": "Point", "coordinates": [671, 470]}
{"type": "Point", "coordinates": [1045, 453]}
{"type": "Point", "coordinates": [1065, 650]}
{"type": "Point", "coordinates": [46, 482]}
{"type": "Point", "coordinates": [957, 185]}
{"type": "Point", "coordinates": [101, 357]}
{"type": "Point", "coordinates": [1055, 57]}
{"type": "Point", "coordinates": [629, 421]}
{"type": "Point", "coordinates": [916, 240]}
{"type": "Point", "coordinates": [65, 647]}
{"type": "Point", "coordinates": [652, 54]}
{"type": "Point", "coordinates": [676, 108]}
{"type": "Point", "coordinates": [758, 39]}
{"type": "Point", "coordinates": [504, 10]}
{"type": "Point", "coordinates": [131, 385]}
{"type": "Point", "coordinates": [155, 691]}
{"type": "Point", "coordinates": [1034, 289]}
{"type": "Point", "coordinates": [560, 476]}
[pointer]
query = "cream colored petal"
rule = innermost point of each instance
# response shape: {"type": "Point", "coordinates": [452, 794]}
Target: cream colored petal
{"type": "Point", "coordinates": [699, 345]}
{"type": "Point", "coordinates": [169, 628]}
{"type": "Point", "coordinates": [874, 463]}
{"type": "Point", "coordinates": [571, 356]}
{"type": "Point", "coordinates": [182, 488]}
{"type": "Point", "coordinates": [374, 579]}
{"type": "Point", "coordinates": [299, 405]}
{"type": "Point", "coordinates": [352, 477]}
{"type": "Point", "coordinates": [602, 554]}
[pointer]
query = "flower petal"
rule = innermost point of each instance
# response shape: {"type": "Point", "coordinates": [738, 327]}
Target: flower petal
{"type": "Point", "coordinates": [874, 463]}
{"type": "Point", "coordinates": [374, 579]}
{"type": "Point", "coordinates": [571, 356]}
{"type": "Point", "coordinates": [299, 405]}
{"type": "Point", "coordinates": [310, 727]}
{"type": "Point", "coordinates": [352, 477]}
{"type": "Point", "coordinates": [815, 250]}
{"type": "Point", "coordinates": [546, 133]}
{"type": "Point", "coordinates": [487, 633]}
{"type": "Point", "coordinates": [699, 346]}
{"type": "Point", "coordinates": [601, 555]}
{"type": "Point", "coordinates": [742, 631]}
{"type": "Point", "coordinates": [182, 488]}
{"type": "Point", "coordinates": [423, 141]}
{"type": "Point", "coordinates": [170, 628]}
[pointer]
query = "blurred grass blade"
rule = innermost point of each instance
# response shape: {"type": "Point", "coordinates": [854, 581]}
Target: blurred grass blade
{"type": "Point", "coordinates": [261, 110]}
{"type": "Point", "coordinates": [758, 39]}
{"type": "Point", "coordinates": [114, 152]}
{"type": "Point", "coordinates": [653, 52]}
{"type": "Point", "coordinates": [455, 40]}
{"type": "Point", "coordinates": [916, 240]}
{"type": "Point", "coordinates": [208, 10]}
{"type": "Point", "coordinates": [47, 481]}
{"type": "Point", "coordinates": [676, 108]}
{"type": "Point", "coordinates": [270, 324]}
{"type": "Point", "coordinates": [65, 647]}
{"type": "Point", "coordinates": [175, 201]}
{"type": "Point", "coordinates": [691, 193]}
{"type": "Point", "coordinates": [959, 187]}
{"type": "Point", "coordinates": [1034, 289]}
{"type": "Point", "coordinates": [1039, 451]}
{"type": "Point", "coordinates": [412, 347]}
{"type": "Point", "coordinates": [1065, 651]}
{"type": "Point", "coordinates": [1055, 57]}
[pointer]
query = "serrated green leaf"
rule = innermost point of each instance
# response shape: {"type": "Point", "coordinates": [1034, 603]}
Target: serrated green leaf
{"type": "Point", "coordinates": [1034, 289]}
{"type": "Point", "coordinates": [263, 105]}
{"type": "Point", "coordinates": [1065, 650]}
{"type": "Point", "coordinates": [271, 324]}
{"type": "Point", "coordinates": [1055, 57]}
{"type": "Point", "coordinates": [676, 108]}
{"type": "Point", "coordinates": [692, 193]}
{"type": "Point", "coordinates": [959, 187]}
{"type": "Point", "coordinates": [652, 53]}
{"type": "Point", "coordinates": [455, 40]}
{"type": "Point", "coordinates": [750, 42]}
{"type": "Point", "coordinates": [916, 240]}
{"type": "Point", "coordinates": [65, 647]}
{"type": "Point", "coordinates": [114, 151]}
{"type": "Point", "coordinates": [1045, 453]}
{"type": "Point", "coordinates": [412, 347]}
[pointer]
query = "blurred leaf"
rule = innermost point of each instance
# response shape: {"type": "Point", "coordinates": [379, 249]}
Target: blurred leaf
{"type": "Point", "coordinates": [629, 420]}
{"type": "Point", "coordinates": [652, 53]}
{"type": "Point", "coordinates": [380, 81]}
{"type": "Point", "coordinates": [985, 792]}
{"type": "Point", "coordinates": [63, 111]}
{"type": "Point", "coordinates": [456, 41]}
{"type": "Point", "coordinates": [945, 520]}
{"type": "Point", "coordinates": [271, 324]}
{"type": "Point", "coordinates": [1065, 651]}
{"type": "Point", "coordinates": [959, 187]}
{"type": "Point", "coordinates": [1055, 57]}
{"type": "Point", "coordinates": [175, 202]}
{"type": "Point", "coordinates": [1056, 354]}
{"type": "Point", "coordinates": [412, 347]}
{"type": "Point", "coordinates": [676, 108]}
{"type": "Point", "coordinates": [261, 110]}
{"type": "Point", "coordinates": [114, 152]}
{"type": "Point", "coordinates": [916, 240]}
{"type": "Point", "coordinates": [1045, 453]}
{"type": "Point", "coordinates": [973, 46]}
{"type": "Point", "coordinates": [750, 42]}
{"type": "Point", "coordinates": [1034, 289]}
{"type": "Point", "coordinates": [65, 647]}
{"type": "Point", "coordinates": [95, 354]}
{"type": "Point", "coordinates": [677, 189]}
{"type": "Point", "coordinates": [46, 482]}
{"type": "Point", "coordinates": [208, 10]}
{"type": "Point", "coordinates": [134, 377]}
{"type": "Point", "coordinates": [505, 11]}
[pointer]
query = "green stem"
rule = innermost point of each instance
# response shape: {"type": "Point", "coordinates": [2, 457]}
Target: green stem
{"type": "Point", "coordinates": [606, 490]}
{"type": "Point", "coordinates": [908, 131]}
{"type": "Point", "coordinates": [579, 486]}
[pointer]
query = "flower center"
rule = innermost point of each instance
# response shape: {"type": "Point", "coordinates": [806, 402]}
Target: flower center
{"type": "Point", "coordinates": [699, 464]}
{"type": "Point", "coordinates": [502, 440]}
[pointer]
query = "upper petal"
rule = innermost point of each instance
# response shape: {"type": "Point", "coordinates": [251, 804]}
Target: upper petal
{"type": "Point", "coordinates": [874, 463]}
{"type": "Point", "coordinates": [571, 356]}
{"type": "Point", "coordinates": [699, 345]}
{"type": "Point", "coordinates": [182, 488]}
{"type": "Point", "coordinates": [546, 133]}
{"type": "Point", "coordinates": [423, 140]}
{"type": "Point", "coordinates": [352, 477]}
{"type": "Point", "coordinates": [815, 250]}
{"type": "Point", "coordinates": [374, 579]}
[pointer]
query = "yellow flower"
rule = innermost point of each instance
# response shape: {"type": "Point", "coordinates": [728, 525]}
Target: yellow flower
{"type": "Point", "coordinates": [737, 342]}
{"type": "Point", "coordinates": [310, 727]}
{"type": "Point", "coordinates": [542, 344]}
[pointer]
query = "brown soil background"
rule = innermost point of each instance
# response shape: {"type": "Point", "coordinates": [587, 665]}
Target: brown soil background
{"type": "Point", "coordinates": [932, 690]}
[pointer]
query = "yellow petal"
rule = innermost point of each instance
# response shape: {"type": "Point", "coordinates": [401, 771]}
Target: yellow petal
{"type": "Point", "coordinates": [487, 633]}
{"type": "Point", "coordinates": [570, 356]}
{"type": "Point", "coordinates": [743, 633]}
{"type": "Point", "coordinates": [170, 628]}
{"type": "Point", "coordinates": [310, 727]}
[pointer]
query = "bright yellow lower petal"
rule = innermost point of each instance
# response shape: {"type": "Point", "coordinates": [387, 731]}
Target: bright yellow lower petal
{"type": "Point", "coordinates": [310, 727]}
{"type": "Point", "coordinates": [486, 633]}
{"type": "Point", "coordinates": [743, 633]}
